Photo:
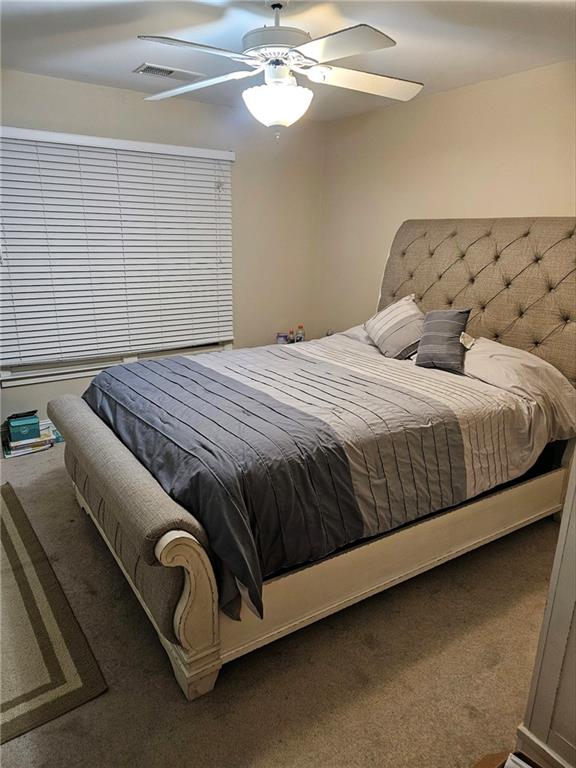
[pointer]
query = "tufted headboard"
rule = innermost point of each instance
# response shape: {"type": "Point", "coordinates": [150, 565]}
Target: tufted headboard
{"type": "Point", "coordinates": [517, 275]}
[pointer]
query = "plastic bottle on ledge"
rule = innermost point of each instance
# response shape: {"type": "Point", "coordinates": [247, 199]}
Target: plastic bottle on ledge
{"type": "Point", "coordinates": [300, 335]}
{"type": "Point", "coordinates": [291, 337]}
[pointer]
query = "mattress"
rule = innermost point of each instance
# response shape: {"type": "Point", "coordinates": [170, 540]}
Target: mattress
{"type": "Point", "coordinates": [287, 454]}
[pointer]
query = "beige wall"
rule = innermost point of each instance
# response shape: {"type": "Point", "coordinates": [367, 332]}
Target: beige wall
{"type": "Point", "coordinates": [276, 194]}
{"type": "Point", "coordinates": [499, 148]}
{"type": "Point", "coordinates": [314, 215]}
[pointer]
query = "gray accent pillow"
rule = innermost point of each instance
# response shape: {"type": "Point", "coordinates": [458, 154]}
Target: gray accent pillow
{"type": "Point", "coordinates": [397, 329]}
{"type": "Point", "coordinates": [440, 346]}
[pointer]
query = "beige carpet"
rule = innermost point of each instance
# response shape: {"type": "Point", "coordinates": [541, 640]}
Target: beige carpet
{"type": "Point", "coordinates": [47, 667]}
{"type": "Point", "coordinates": [431, 674]}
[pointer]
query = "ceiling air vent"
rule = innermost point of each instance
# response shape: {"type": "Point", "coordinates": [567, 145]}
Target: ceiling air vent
{"type": "Point", "coordinates": [156, 70]}
{"type": "Point", "coordinates": [152, 69]}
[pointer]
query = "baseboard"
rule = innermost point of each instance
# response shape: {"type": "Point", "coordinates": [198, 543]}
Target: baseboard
{"type": "Point", "coordinates": [538, 751]}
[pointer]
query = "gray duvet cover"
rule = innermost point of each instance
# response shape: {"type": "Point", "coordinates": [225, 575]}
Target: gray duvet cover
{"type": "Point", "coordinates": [286, 454]}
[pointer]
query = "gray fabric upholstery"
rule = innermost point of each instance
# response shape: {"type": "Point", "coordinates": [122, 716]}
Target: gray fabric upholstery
{"type": "Point", "coordinates": [147, 511]}
{"type": "Point", "coordinates": [133, 510]}
{"type": "Point", "coordinates": [159, 587]}
{"type": "Point", "coordinates": [517, 275]}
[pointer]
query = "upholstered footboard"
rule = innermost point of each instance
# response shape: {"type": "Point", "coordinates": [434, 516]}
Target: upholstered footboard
{"type": "Point", "coordinates": [161, 548]}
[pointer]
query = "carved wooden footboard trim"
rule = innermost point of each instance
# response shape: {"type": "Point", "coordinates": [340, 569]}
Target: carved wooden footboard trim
{"type": "Point", "coordinates": [196, 619]}
{"type": "Point", "coordinates": [196, 660]}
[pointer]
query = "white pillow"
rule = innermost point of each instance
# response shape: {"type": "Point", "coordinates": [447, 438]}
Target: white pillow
{"type": "Point", "coordinates": [397, 329]}
{"type": "Point", "coordinates": [357, 333]}
{"type": "Point", "coordinates": [526, 375]}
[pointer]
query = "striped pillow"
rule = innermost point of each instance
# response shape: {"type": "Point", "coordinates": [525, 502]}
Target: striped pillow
{"type": "Point", "coordinates": [440, 346]}
{"type": "Point", "coordinates": [397, 329]}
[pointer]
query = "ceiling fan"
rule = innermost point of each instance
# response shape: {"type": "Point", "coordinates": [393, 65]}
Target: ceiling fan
{"type": "Point", "coordinates": [279, 52]}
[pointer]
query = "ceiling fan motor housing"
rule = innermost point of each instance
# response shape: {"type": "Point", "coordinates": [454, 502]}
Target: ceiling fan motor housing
{"type": "Point", "coordinates": [271, 41]}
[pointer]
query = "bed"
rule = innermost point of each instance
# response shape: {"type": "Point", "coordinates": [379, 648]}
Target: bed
{"type": "Point", "coordinates": [246, 494]}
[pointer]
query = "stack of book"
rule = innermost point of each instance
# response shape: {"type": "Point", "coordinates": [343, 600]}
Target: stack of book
{"type": "Point", "coordinates": [42, 442]}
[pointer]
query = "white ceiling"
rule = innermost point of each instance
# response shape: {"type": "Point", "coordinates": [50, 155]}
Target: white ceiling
{"type": "Point", "coordinates": [443, 44]}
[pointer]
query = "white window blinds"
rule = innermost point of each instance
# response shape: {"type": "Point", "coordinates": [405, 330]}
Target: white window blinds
{"type": "Point", "coordinates": [112, 248]}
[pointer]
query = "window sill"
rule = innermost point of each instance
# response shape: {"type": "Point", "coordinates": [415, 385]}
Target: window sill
{"type": "Point", "coordinates": [44, 377]}
{"type": "Point", "coordinates": [17, 378]}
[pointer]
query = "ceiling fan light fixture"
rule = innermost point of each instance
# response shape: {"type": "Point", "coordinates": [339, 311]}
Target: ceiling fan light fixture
{"type": "Point", "coordinates": [277, 104]}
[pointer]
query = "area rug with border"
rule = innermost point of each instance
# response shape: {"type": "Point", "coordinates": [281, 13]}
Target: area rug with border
{"type": "Point", "coordinates": [47, 665]}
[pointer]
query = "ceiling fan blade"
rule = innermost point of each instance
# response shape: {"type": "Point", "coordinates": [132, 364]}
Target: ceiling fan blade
{"type": "Point", "coordinates": [199, 47]}
{"type": "Point", "coordinates": [346, 42]}
{"type": "Point", "coordinates": [379, 85]}
{"type": "Point", "coordinates": [240, 75]}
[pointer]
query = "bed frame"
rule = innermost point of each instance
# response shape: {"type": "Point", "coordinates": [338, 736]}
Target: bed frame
{"type": "Point", "coordinates": [518, 277]}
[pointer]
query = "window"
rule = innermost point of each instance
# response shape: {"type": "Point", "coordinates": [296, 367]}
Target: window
{"type": "Point", "coordinates": [112, 247]}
